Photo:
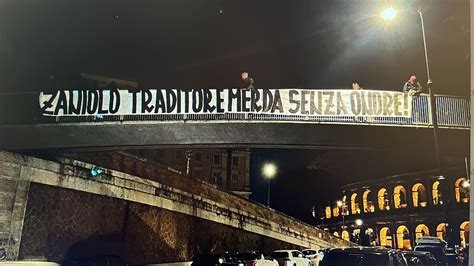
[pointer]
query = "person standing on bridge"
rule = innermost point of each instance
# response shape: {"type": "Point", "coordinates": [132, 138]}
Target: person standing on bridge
{"type": "Point", "coordinates": [248, 80]}
{"type": "Point", "coordinates": [412, 87]}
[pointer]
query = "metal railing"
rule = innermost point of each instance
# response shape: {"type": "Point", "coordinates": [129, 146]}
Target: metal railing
{"type": "Point", "coordinates": [452, 112]}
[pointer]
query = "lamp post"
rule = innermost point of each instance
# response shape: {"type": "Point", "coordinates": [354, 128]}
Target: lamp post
{"type": "Point", "coordinates": [390, 14]}
{"type": "Point", "coordinates": [340, 205]}
{"type": "Point", "coordinates": [269, 171]}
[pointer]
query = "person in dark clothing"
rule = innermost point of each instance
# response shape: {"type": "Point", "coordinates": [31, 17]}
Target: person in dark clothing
{"type": "Point", "coordinates": [248, 81]}
{"type": "Point", "coordinates": [412, 87]}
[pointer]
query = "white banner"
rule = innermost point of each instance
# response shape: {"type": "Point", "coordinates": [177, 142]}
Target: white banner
{"type": "Point", "coordinates": [221, 101]}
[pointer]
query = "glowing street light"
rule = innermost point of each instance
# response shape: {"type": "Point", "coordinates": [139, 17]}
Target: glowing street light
{"type": "Point", "coordinates": [359, 222]}
{"type": "Point", "coordinates": [269, 171]}
{"type": "Point", "coordinates": [466, 184]}
{"type": "Point", "coordinates": [339, 203]}
{"type": "Point", "coordinates": [389, 13]}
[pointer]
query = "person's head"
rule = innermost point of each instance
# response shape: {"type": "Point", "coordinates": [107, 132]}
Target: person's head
{"type": "Point", "coordinates": [356, 86]}
{"type": "Point", "coordinates": [244, 75]}
{"type": "Point", "coordinates": [412, 78]}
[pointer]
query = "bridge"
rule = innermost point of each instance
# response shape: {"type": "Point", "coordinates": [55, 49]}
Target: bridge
{"type": "Point", "coordinates": [59, 211]}
{"type": "Point", "coordinates": [21, 130]}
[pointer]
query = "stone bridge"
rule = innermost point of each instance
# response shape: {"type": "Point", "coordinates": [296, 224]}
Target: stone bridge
{"type": "Point", "coordinates": [58, 210]}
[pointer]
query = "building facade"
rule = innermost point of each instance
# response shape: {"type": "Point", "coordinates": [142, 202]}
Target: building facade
{"type": "Point", "coordinates": [227, 169]}
{"type": "Point", "coordinates": [395, 211]}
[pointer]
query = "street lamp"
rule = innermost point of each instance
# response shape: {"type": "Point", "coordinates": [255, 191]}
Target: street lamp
{"type": "Point", "coordinates": [389, 14]}
{"type": "Point", "coordinates": [269, 171]}
{"type": "Point", "coordinates": [359, 222]}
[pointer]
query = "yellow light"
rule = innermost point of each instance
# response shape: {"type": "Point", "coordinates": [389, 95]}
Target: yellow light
{"type": "Point", "coordinates": [339, 203]}
{"type": "Point", "coordinates": [389, 13]}
{"type": "Point", "coordinates": [269, 170]}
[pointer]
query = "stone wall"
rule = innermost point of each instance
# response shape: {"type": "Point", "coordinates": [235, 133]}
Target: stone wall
{"type": "Point", "coordinates": [72, 213]}
{"type": "Point", "coordinates": [13, 198]}
{"type": "Point", "coordinates": [65, 224]}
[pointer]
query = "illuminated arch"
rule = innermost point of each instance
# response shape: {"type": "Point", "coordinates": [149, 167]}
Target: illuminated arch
{"type": "Point", "coordinates": [464, 233]}
{"type": "Point", "coordinates": [336, 234]}
{"type": "Point", "coordinates": [345, 235]}
{"type": "Point", "coordinates": [327, 212]}
{"type": "Point", "coordinates": [403, 238]}
{"type": "Point", "coordinates": [335, 211]}
{"type": "Point", "coordinates": [421, 230]}
{"type": "Point", "coordinates": [461, 191]}
{"type": "Point", "coordinates": [418, 193]}
{"type": "Point", "coordinates": [355, 208]}
{"type": "Point", "coordinates": [386, 237]}
{"type": "Point", "coordinates": [383, 199]}
{"type": "Point", "coordinates": [399, 197]}
{"type": "Point", "coordinates": [371, 234]}
{"type": "Point", "coordinates": [344, 210]}
{"type": "Point", "coordinates": [441, 231]}
{"type": "Point", "coordinates": [436, 193]}
{"type": "Point", "coordinates": [367, 202]}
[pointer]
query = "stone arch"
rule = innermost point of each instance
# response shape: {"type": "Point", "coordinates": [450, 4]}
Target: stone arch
{"type": "Point", "coordinates": [355, 208]}
{"type": "Point", "coordinates": [345, 235]}
{"type": "Point", "coordinates": [441, 231]}
{"type": "Point", "coordinates": [436, 193]}
{"type": "Point", "coordinates": [461, 190]}
{"type": "Point", "coordinates": [421, 230]}
{"type": "Point", "coordinates": [403, 238]}
{"type": "Point", "coordinates": [464, 233]}
{"type": "Point", "coordinates": [383, 199]}
{"type": "Point", "coordinates": [367, 202]}
{"type": "Point", "coordinates": [386, 237]}
{"type": "Point", "coordinates": [418, 193]}
{"type": "Point", "coordinates": [400, 197]}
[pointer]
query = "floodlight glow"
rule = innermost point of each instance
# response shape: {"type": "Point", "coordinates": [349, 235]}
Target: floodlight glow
{"type": "Point", "coordinates": [269, 170]}
{"type": "Point", "coordinates": [339, 203]}
{"type": "Point", "coordinates": [389, 13]}
{"type": "Point", "coordinates": [466, 184]}
{"type": "Point", "coordinates": [359, 222]}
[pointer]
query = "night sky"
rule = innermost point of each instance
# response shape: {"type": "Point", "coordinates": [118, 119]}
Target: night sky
{"type": "Point", "coordinates": [208, 43]}
{"type": "Point", "coordinates": [188, 43]}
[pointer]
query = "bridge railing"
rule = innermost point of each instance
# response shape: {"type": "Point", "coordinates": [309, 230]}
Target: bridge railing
{"type": "Point", "coordinates": [452, 112]}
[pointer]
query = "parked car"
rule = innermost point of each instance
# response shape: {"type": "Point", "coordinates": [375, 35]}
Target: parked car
{"type": "Point", "coordinates": [418, 258]}
{"type": "Point", "coordinates": [363, 256]}
{"type": "Point", "coordinates": [453, 258]}
{"type": "Point", "coordinates": [315, 256]}
{"type": "Point", "coordinates": [256, 258]}
{"type": "Point", "coordinates": [436, 250]}
{"type": "Point", "coordinates": [431, 241]}
{"type": "Point", "coordinates": [216, 259]}
{"type": "Point", "coordinates": [290, 258]}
